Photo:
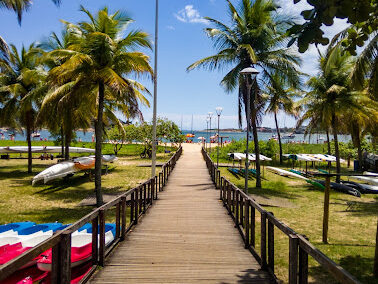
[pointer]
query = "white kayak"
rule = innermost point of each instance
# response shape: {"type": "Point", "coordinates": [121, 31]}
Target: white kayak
{"type": "Point", "coordinates": [286, 173]}
{"type": "Point", "coordinates": [66, 168]}
{"type": "Point", "coordinates": [43, 149]}
{"type": "Point", "coordinates": [371, 180]}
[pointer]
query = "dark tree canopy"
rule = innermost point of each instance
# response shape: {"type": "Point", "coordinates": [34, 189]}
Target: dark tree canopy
{"type": "Point", "coordinates": [363, 14]}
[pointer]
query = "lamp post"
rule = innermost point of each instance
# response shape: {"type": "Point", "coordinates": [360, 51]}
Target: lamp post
{"type": "Point", "coordinates": [251, 73]}
{"type": "Point", "coordinates": [210, 116]}
{"type": "Point", "coordinates": [219, 112]}
{"type": "Point", "coordinates": [207, 132]}
{"type": "Point", "coordinates": [153, 166]}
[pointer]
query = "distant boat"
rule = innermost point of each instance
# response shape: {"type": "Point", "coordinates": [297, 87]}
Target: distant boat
{"type": "Point", "coordinates": [36, 135]}
{"type": "Point", "coordinates": [290, 136]}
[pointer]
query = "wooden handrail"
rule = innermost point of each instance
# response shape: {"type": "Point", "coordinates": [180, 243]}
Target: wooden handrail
{"type": "Point", "coordinates": [60, 241]}
{"type": "Point", "coordinates": [299, 248]}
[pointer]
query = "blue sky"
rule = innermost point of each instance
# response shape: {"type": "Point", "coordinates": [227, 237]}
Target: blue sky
{"type": "Point", "coordinates": [181, 42]}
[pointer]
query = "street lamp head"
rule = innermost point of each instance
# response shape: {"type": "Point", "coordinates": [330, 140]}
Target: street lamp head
{"type": "Point", "coordinates": [210, 114]}
{"type": "Point", "coordinates": [219, 110]}
{"type": "Point", "coordinates": [250, 71]}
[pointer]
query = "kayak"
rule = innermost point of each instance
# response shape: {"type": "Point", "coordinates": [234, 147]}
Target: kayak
{"type": "Point", "coordinates": [316, 184]}
{"type": "Point", "coordinates": [81, 250]}
{"type": "Point", "coordinates": [69, 168]}
{"type": "Point", "coordinates": [371, 180]}
{"type": "Point", "coordinates": [363, 188]}
{"type": "Point", "coordinates": [342, 188]}
{"type": "Point", "coordinates": [286, 173]}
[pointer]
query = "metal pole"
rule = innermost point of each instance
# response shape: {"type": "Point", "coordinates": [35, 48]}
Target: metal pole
{"type": "Point", "coordinates": [218, 143]}
{"type": "Point", "coordinates": [210, 136]}
{"type": "Point", "coordinates": [246, 150]}
{"type": "Point", "coordinates": [207, 134]}
{"type": "Point", "coordinates": [153, 166]}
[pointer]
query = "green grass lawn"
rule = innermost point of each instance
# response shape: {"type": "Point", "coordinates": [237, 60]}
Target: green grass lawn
{"type": "Point", "coordinates": [351, 233]}
{"type": "Point", "coordinates": [58, 201]}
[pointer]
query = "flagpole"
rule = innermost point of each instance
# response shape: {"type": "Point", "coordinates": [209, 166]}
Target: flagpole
{"type": "Point", "coordinates": [153, 167]}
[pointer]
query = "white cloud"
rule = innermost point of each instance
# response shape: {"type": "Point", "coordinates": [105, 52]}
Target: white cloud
{"type": "Point", "coordinates": [172, 28]}
{"type": "Point", "coordinates": [190, 15]}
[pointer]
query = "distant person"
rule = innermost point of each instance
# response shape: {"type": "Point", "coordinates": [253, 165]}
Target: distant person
{"type": "Point", "coordinates": [93, 138]}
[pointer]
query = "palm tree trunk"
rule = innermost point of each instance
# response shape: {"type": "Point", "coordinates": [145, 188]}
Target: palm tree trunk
{"type": "Point", "coordinates": [279, 136]}
{"type": "Point", "coordinates": [337, 153]}
{"type": "Point", "coordinates": [68, 138]}
{"type": "Point", "coordinates": [328, 150]}
{"type": "Point", "coordinates": [359, 151]}
{"type": "Point", "coordinates": [62, 136]}
{"type": "Point", "coordinates": [98, 154]}
{"type": "Point", "coordinates": [328, 143]}
{"type": "Point", "coordinates": [28, 138]}
{"type": "Point", "coordinates": [257, 148]}
{"type": "Point", "coordinates": [68, 142]}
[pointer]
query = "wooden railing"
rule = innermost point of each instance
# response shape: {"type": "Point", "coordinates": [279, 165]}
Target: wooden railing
{"type": "Point", "coordinates": [139, 199]}
{"type": "Point", "coordinates": [243, 208]}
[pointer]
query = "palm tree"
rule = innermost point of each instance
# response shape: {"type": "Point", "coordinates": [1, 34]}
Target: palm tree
{"type": "Point", "coordinates": [279, 97]}
{"type": "Point", "coordinates": [96, 64]}
{"type": "Point", "coordinates": [255, 36]}
{"type": "Point", "coordinates": [21, 86]}
{"type": "Point", "coordinates": [332, 95]}
{"type": "Point", "coordinates": [19, 6]}
{"type": "Point", "coordinates": [71, 112]}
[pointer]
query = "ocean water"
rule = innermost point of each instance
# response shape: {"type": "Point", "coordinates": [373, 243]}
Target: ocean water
{"type": "Point", "coordinates": [264, 136]}
{"type": "Point", "coordinates": [87, 136]}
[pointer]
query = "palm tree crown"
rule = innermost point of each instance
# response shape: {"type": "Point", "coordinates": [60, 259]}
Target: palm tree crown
{"type": "Point", "coordinates": [255, 36]}
{"type": "Point", "coordinates": [94, 67]}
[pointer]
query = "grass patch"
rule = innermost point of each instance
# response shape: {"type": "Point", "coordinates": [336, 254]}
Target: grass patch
{"type": "Point", "coordinates": [58, 201]}
{"type": "Point", "coordinates": [351, 233]}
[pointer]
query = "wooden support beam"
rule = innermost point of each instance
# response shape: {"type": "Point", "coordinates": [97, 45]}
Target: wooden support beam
{"type": "Point", "coordinates": [326, 209]}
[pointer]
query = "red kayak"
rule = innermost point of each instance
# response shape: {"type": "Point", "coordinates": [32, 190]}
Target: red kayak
{"type": "Point", "coordinates": [79, 255]}
{"type": "Point", "coordinates": [9, 252]}
{"type": "Point", "coordinates": [26, 275]}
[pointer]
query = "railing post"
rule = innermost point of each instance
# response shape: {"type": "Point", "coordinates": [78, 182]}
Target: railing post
{"type": "Point", "coordinates": [61, 262]}
{"type": "Point", "coordinates": [253, 226]}
{"type": "Point", "coordinates": [246, 221]}
{"type": "Point", "coordinates": [123, 218]}
{"type": "Point", "coordinates": [303, 265]}
{"type": "Point", "coordinates": [144, 197]}
{"type": "Point", "coordinates": [140, 199]}
{"type": "Point", "coordinates": [263, 240]}
{"type": "Point", "coordinates": [293, 259]}
{"type": "Point", "coordinates": [271, 244]}
{"type": "Point", "coordinates": [95, 240]}
{"type": "Point", "coordinates": [229, 198]}
{"type": "Point", "coordinates": [221, 188]}
{"type": "Point", "coordinates": [133, 209]}
{"type": "Point", "coordinates": [118, 220]}
{"type": "Point", "coordinates": [160, 180]}
{"type": "Point", "coordinates": [241, 211]}
{"type": "Point", "coordinates": [236, 207]}
{"type": "Point", "coordinates": [102, 237]}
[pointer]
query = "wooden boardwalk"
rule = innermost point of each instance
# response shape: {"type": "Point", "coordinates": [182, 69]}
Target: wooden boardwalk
{"type": "Point", "coordinates": [186, 237]}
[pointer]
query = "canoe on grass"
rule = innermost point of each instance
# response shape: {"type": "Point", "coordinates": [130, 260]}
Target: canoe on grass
{"type": "Point", "coordinates": [342, 188]}
{"type": "Point", "coordinates": [363, 188]}
{"type": "Point", "coordinates": [286, 173]}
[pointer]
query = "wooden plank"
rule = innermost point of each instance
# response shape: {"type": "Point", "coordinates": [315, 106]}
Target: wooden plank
{"type": "Point", "coordinates": [187, 236]}
{"type": "Point", "coordinates": [293, 259]}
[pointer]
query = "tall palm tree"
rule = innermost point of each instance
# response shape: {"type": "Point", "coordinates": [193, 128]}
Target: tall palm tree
{"type": "Point", "coordinates": [19, 6]}
{"type": "Point", "coordinates": [332, 95]}
{"type": "Point", "coordinates": [22, 87]}
{"type": "Point", "coordinates": [96, 64]}
{"type": "Point", "coordinates": [279, 98]}
{"type": "Point", "coordinates": [71, 112]}
{"type": "Point", "coordinates": [255, 36]}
